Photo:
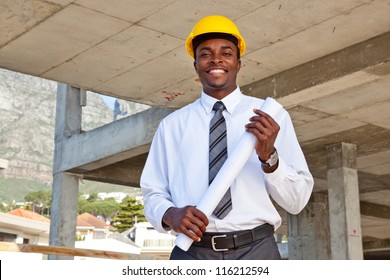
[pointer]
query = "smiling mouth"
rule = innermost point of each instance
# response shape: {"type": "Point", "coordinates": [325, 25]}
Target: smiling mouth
{"type": "Point", "coordinates": [217, 71]}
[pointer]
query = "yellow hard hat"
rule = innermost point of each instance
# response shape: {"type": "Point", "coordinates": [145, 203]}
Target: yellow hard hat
{"type": "Point", "coordinates": [214, 24]}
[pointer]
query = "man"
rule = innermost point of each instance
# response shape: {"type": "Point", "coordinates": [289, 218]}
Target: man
{"type": "Point", "coordinates": [176, 173]}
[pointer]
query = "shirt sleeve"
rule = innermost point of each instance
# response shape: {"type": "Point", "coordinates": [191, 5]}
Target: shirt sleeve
{"type": "Point", "coordinates": [291, 184]}
{"type": "Point", "coordinates": [154, 182]}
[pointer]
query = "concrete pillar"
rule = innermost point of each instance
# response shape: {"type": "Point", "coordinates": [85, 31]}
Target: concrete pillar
{"type": "Point", "coordinates": [65, 186]}
{"type": "Point", "coordinates": [344, 205]}
{"type": "Point", "coordinates": [308, 232]}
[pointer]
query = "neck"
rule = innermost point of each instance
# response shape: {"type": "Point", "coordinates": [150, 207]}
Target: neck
{"type": "Point", "coordinates": [219, 93]}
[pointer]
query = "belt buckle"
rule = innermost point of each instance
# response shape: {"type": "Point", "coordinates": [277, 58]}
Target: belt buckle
{"type": "Point", "coordinates": [213, 243]}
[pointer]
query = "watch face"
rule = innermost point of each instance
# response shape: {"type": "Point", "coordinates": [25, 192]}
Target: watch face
{"type": "Point", "coordinates": [273, 159]}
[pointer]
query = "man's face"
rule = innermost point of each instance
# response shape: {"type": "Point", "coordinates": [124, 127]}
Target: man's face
{"type": "Point", "coordinates": [217, 65]}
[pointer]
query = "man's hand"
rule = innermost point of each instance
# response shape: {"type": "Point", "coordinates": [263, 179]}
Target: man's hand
{"type": "Point", "coordinates": [265, 129]}
{"type": "Point", "coordinates": [188, 220]}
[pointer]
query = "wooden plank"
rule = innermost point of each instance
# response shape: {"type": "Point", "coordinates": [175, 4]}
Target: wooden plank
{"type": "Point", "coordinates": [65, 251]}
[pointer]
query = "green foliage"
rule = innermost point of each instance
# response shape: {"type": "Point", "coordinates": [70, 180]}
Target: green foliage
{"type": "Point", "coordinates": [80, 237]}
{"type": "Point", "coordinates": [93, 197]}
{"type": "Point", "coordinates": [81, 203]}
{"type": "Point", "coordinates": [106, 208]}
{"type": "Point", "coordinates": [39, 201]}
{"type": "Point", "coordinates": [4, 208]}
{"type": "Point", "coordinates": [130, 212]}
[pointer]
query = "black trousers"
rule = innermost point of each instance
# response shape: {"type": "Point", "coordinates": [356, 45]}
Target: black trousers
{"type": "Point", "coordinates": [262, 249]}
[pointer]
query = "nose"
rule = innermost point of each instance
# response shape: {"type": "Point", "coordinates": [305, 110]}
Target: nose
{"type": "Point", "coordinates": [216, 59]}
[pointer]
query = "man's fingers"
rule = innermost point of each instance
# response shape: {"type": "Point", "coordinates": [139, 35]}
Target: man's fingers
{"type": "Point", "coordinates": [202, 217]}
{"type": "Point", "coordinates": [200, 224]}
{"type": "Point", "coordinates": [194, 233]}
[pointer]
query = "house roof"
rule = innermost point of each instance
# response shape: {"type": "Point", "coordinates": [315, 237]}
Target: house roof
{"type": "Point", "coordinates": [83, 223]}
{"type": "Point", "coordinates": [83, 220]}
{"type": "Point", "coordinates": [29, 215]}
{"type": "Point", "coordinates": [28, 226]}
{"type": "Point", "coordinates": [86, 219]}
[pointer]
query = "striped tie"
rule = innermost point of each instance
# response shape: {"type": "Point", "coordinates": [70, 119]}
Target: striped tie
{"type": "Point", "coordinates": [218, 155]}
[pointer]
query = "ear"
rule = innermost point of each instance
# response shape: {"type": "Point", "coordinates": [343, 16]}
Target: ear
{"type": "Point", "coordinates": [238, 65]}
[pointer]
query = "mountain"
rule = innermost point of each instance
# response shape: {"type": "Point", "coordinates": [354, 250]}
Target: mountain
{"type": "Point", "coordinates": [27, 117]}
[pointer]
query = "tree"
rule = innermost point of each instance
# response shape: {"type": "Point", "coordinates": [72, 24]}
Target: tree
{"type": "Point", "coordinates": [4, 207]}
{"type": "Point", "coordinates": [93, 197]}
{"type": "Point", "coordinates": [130, 212]}
{"type": "Point", "coordinates": [106, 208]}
{"type": "Point", "coordinates": [40, 201]}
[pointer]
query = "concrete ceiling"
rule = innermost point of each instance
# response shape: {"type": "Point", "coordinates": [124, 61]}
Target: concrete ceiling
{"type": "Point", "coordinates": [327, 62]}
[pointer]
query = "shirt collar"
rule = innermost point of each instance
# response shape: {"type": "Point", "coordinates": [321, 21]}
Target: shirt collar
{"type": "Point", "coordinates": [230, 101]}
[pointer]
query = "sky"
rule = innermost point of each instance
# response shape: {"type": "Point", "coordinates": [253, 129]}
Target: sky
{"type": "Point", "coordinates": [109, 101]}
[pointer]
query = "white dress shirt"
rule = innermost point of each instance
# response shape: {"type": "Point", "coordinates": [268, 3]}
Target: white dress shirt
{"type": "Point", "coordinates": [176, 170]}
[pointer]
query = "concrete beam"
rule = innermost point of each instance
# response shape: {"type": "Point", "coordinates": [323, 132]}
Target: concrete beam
{"type": "Point", "coordinates": [111, 143]}
{"type": "Point", "coordinates": [374, 210]}
{"type": "Point", "coordinates": [330, 67]}
{"type": "Point", "coordinates": [377, 244]}
{"type": "Point", "coordinates": [127, 173]}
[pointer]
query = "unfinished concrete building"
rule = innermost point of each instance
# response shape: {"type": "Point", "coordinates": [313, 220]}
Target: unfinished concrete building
{"type": "Point", "coordinates": [326, 62]}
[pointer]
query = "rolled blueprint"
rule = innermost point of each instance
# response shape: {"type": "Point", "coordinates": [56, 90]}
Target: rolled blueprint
{"type": "Point", "coordinates": [228, 172]}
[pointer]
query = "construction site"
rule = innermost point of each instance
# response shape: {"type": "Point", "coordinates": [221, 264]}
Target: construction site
{"type": "Point", "coordinates": [326, 62]}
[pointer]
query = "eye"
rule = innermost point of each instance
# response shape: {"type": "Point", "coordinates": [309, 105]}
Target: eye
{"type": "Point", "coordinates": [204, 54]}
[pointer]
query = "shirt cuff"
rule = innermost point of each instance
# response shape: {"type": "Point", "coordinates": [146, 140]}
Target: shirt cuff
{"type": "Point", "coordinates": [160, 211]}
{"type": "Point", "coordinates": [276, 178]}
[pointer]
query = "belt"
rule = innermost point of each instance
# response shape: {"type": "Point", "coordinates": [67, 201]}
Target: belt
{"type": "Point", "coordinates": [223, 241]}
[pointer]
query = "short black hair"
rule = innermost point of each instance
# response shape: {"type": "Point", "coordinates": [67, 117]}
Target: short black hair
{"type": "Point", "coordinates": [214, 35]}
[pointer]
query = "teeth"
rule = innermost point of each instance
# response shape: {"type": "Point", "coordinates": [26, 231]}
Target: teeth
{"type": "Point", "coordinates": [217, 71]}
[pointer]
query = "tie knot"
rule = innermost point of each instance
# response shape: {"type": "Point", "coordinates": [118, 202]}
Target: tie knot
{"type": "Point", "coordinates": [219, 106]}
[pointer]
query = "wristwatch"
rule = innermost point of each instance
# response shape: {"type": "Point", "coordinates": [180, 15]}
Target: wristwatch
{"type": "Point", "coordinates": [273, 159]}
